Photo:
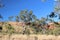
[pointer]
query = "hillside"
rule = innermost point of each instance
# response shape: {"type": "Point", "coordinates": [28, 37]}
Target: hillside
{"type": "Point", "coordinates": [22, 28]}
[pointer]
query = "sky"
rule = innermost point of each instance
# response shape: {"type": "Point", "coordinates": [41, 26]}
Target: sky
{"type": "Point", "coordinates": [39, 8]}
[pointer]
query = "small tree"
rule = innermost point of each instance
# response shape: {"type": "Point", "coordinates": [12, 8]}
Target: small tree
{"type": "Point", "coordinates": [27, 16]}
{"type": "Point", "coordinates": [56, 31]}
{"type": "Point", "coordinates": [17, 18]}
{"type": "Point", "coordinates": [1, 17]}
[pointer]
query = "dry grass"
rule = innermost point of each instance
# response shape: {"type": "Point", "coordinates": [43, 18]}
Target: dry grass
{"type": "Point", "coordinates": [29, 37]}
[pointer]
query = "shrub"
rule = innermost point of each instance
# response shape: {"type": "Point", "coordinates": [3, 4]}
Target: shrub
{"type": "Point", "coordinates": [26, 31]}
{"type": "Point", "coordinates": [56, 31]}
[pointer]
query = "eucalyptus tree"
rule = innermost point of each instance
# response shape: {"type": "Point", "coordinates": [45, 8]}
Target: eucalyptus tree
{"type": "Point", "coordinates": [57, 8]}
{"type": "Point", "coordinates": [43, 22]}
{"type": "Point", "coordinates": [27, 16]}
{"type": "Point", "coordinates": [17, 18]}
{"type": "Point", "coordinates": [56, 11]}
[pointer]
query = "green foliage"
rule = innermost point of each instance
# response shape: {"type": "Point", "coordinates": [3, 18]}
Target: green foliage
{"type": "Point", "coordinates": [49, 32]}
{"type": "Point", "coordinates": [52, 15]}
{"type": "Point", "coordinates": [56, 31]}
{"type": "Point", "coordinates": [17, 18]}
{"type": "Point", "coordinates": [36, 24]}
{"type": "Point", "coordinates": [26, 31]}
{"type": "Point", "coordinates": [9, 28]}
{"type": "Point", "coordinates": [27, 16]}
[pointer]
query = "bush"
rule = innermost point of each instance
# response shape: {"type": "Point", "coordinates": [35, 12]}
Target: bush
{"type": "Point", "coordinates": [26, 31]}
{"type": "Point", "coordinates": [10, 29]}
{"type": "Point", "coordinates": [56, 31]}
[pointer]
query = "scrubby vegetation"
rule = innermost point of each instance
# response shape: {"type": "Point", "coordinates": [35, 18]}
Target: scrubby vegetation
{"type": "Point", "coordinates": [33, 25]}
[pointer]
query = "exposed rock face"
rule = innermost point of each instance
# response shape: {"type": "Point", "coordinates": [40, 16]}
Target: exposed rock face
{"type": "Point", "coordinates": [19, 26]}
{"type": "Point", "coordinates": [22, 24]}
{"type": "Point", "coordinates": [16, 23]}
{"type": "Point", "coordinates": [50, 26]}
